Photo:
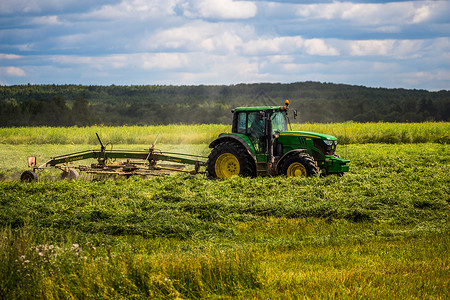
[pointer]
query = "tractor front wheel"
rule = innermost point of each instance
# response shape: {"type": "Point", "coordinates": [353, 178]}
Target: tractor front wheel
{"type": "Point", "coordinates": [300, 165]}
{"type": "Point", "coordinates": [229, 159]}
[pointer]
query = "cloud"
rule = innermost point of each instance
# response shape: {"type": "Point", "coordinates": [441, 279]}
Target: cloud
{"type": "Point", "coordinates": [219, 9]}
{"type": "Point", "coordinates": [9, 56]}
{"type": "Point", "coordinates": [400, 49]}
{"type": "Point", "coordinates": [12, 71]}
{"type": "Point", "coordinates": [47, 20]}
{"type": "Point", "coordinates": [199, 36]}
{"type": "Point", "coordinates": [145, 61]}
{"type": "Point", "coordinates": [164, 61]}
{"type": "Point", "coordinates": [372, 47]}
{"type": "Point", "coordinates": [375, 13]}
{"type": "Point", "coordinates": [283, 45]}
{"type": "Point", "coordinates": [220, 69]}
{"type": "Point", "coordinates": [133, 9]}
{"type": "Point", "coordinates": [319, 47]}
{"type": "Point", "coordinates": [421, 14]}
{"type": "Point", "coordinates": [39, 7]}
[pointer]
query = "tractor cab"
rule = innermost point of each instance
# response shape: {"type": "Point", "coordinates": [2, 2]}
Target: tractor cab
{"type": "Point", "coordinates": [260, 124]}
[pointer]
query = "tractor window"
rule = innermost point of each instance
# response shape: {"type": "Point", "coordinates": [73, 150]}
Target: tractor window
{"type": "Point", "coordinates": [255, 124]}
{"type": "Point", "coordinates": [252, 125]}
{"type": "Point", "coordinates": [256, 130]}
{"type": "Point", "coordinates": [279, 121]}
{"type": "Point", "coordinates": [242, 123]}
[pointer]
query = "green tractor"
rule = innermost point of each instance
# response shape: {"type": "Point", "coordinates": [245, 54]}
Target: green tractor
{"type": "Point", "coordinates": [261, 145]}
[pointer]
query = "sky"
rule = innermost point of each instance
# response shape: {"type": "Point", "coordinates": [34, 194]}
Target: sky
{"type": "Point", "coordinates": [402, 44]}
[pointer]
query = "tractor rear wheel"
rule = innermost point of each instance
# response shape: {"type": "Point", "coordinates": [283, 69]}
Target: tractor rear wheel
{"type": "Point", "coordinates": [300, 165]}
{"type": "Point", "coordinates": [28, 176]}
{"type": "Point", "coordinates": [229, 159]}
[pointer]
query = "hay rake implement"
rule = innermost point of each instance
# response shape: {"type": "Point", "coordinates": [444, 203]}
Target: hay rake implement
{"type": "Point", "coordinates": [117, 163]}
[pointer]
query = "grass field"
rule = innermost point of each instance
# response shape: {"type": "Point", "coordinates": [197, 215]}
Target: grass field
{"type": "Point", "coordinates": [381, 231]}
{"type": "Point", "coordinates": [347, 133]}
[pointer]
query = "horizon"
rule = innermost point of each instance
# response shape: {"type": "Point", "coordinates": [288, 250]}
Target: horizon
{"type": "Point", "coordinates": [212, 85]}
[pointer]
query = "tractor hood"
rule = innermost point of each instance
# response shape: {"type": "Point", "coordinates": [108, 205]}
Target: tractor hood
{"type": "Point", "coordinates": [308, 134]}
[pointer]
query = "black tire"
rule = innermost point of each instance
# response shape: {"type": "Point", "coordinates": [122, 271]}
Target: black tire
{"type": "Point", "coordinates": [229, 159]}
{"type": "Point", "coordinates": [300, 165]}
{"type": "Point", "coordinates": [72, 174]}
{"type": "Point", "coordinates": [28, 176]}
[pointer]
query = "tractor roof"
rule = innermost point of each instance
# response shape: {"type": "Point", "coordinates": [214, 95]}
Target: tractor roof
{"type": "Point", "coordinates": [258, 108]}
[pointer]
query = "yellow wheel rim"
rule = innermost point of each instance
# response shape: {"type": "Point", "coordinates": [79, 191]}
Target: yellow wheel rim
{"type": "Point", "coordinates": [296, 170]}
{"type": "Point", "coordinates": [227, 166]}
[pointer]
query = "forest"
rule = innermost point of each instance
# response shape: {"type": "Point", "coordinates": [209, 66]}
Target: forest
{"type": "Point", "coordinates": [80, 105]}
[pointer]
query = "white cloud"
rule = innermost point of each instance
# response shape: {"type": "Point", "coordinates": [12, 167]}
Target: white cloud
{"type": "Point", "coordinates": [217, 69]}
{"type": "Point", "coordinates": [47, 6]}
{"type": "Point", "coordinates": [219, 9]}
{"type": "Point", "coordinates": [146, 61]}
{"type": "Point", "coordinates": [47, 20]}
{"type": "Point", "coordinates": [25, 47]}
{"type": "Point", "coordinates": [199, 36]}
{"type": "Point", "coordinates": [400, 49]}
{"type": "Point", "coordinates": [9, 56]}
{"type": "Point", "coordinates": [164, 61]}
{"type": "Point", "coordinates": [421, 14]}
{"type": "Point", "coordinates": [418, 78]}
{"type": "Point", "coordinates": [283, 45]}
{"type": "Point", "coordinates": [133, 9]}
{"type": "Point", "coordinates": [319, 47]}
{"type": "Point", "coordinates": [12, 71]}
{"type": "Point", "coordinates": [373, 47]}
{"type": "Point", "coordinates": [274, 59]}
{"type": "Point", "coordinates": [375, 13]}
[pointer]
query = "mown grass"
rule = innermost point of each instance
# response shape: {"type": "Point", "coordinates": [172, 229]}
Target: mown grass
{"type": "Point", "coordinates": [381, 231]}
{"type": "Point", "coordinates": [347, 133]}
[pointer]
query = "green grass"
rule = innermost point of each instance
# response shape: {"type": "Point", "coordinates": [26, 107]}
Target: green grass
{"type": "Point", "coordinates": [381, 231]}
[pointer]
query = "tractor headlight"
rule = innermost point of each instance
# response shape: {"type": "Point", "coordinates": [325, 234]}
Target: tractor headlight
{"type": "Point", "coordinates": [331, 146]}
{"type": "Point", "coordinates": [326, 146]}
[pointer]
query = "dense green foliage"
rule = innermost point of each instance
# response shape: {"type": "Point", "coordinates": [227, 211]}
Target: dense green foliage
{"type": "Point", "coordinates": [53, 105]}
{"type": "Point", "coordinates": [381, 231]}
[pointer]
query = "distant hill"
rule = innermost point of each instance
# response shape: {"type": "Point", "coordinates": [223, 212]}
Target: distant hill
{"type": "Point", "coordinates": [67, 105]}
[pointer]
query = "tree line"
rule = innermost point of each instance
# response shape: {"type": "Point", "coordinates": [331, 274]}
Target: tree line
{"type": "Point", "coordinates": [68, 105]}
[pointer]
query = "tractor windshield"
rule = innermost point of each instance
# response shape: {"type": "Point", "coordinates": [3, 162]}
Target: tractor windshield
{"type": "Point", "coordinates": [279, 121]}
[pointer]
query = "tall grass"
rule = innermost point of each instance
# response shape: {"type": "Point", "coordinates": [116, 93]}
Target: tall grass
{"type": "Point", "coordinates": [169, 134]}
{"type": "Point", "coordinates": [347, 133]}
{"type": "Point", "coordinates": [65, 269]}
{"type": "Point", "coordinates": [389, 133]}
